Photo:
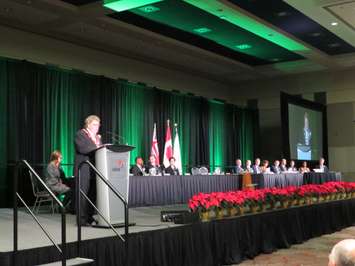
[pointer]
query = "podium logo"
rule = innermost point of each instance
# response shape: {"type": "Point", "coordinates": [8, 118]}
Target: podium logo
{"type": "Point", "coordinates": [118, 165]}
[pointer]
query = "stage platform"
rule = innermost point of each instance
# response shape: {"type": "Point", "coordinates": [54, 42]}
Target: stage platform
{"type": "Point", "coordinates": [151, 242]}
{"type": "Point", "coordinates": [146, 219]}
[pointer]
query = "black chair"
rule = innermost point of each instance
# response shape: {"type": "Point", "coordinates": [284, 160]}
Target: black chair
{"type": "Point", "coordinates": [41, 195]}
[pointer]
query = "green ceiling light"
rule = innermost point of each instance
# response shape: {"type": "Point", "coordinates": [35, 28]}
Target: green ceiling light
{"type": "Point", "coordinates": [243, 46]}
{"type": "Point", "coordinates": [149, 9]}
{"type": "Point", "coordinates": [202, 30]}
{"type": "Point", "coordinates": [233, 16]}
{"type": "Point", "coordinates": [123, 5]}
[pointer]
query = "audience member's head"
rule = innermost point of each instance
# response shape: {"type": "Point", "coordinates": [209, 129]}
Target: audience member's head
{"type": "Point", "coordinates": [343, 253]}
{"type": "Point", "coordinates": [304, 164]}
{"type": "Point", "coordinates": [277, 163]}
{"type": "Point", "coordinates": [321, 161]}
{"type": "Point", "coordinates": [283, 162]}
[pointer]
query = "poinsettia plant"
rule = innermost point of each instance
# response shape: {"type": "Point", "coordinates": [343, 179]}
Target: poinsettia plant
{"type": "Point", "coordinates": [254, 198]}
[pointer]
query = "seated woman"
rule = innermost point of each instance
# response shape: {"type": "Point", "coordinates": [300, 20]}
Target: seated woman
{"type": "Point", "coordinates": [53, 175]}
{"type": "Point", "coordinates": [265, 169]}
{"type": "Point", "coordinates": [304, 168]}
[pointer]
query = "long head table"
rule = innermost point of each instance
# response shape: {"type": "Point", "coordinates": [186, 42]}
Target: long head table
{"type": "Point", "coordinates": [168, 190]}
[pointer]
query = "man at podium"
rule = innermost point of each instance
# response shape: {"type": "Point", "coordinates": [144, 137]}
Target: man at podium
{"type": "Point", "coordinates": [86, 141]}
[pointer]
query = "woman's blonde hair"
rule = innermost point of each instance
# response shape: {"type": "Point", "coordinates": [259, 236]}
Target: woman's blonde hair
{"type": "Point", "coordinates": [89, 119]}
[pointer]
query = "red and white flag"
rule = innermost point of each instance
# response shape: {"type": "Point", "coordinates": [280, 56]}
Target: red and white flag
{"type": "Point", "coordinates": [155, 148]}
{"type": "Point", "coordinates": [168, 148]}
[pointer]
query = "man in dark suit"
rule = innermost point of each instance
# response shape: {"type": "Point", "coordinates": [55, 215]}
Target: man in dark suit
{"type": "Point", "coordinates": [283, 165]}
{"type": "Point", "coordinates": [138, 169]}
{"type": "Point", "coordinates": [322, 167]}
{"type": "Point", "coordinates": [238, 169]}
{"type": "Point", "coordinates": [248, 167]}
{"type": "Point", "coordinates": [276, 167]}
{"type": "Point", "coordinates": [256, 166]}
{"type": "Point", "coordinates": [87, 140]}
{"type": "Point", "coordinates": [171, 169]}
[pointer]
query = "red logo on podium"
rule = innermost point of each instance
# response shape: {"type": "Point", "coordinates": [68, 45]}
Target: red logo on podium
{"type": "Point", "coordinates": [120, 163]}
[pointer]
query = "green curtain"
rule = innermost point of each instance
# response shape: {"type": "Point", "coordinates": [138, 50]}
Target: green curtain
{"type": "Point", "coordinates": [217, 135]}
{"type": "Point", "coordinates": [42, 107]}
{"type": "Point", "coordinates": [3, 130]}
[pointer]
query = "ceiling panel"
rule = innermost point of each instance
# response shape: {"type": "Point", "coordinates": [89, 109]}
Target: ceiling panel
{"type": "Point", "coordinates": [25, 13]}
{"type": "Point", "coordinates": [186, 23]}
{"type": "Point", "coordinates": [80, 2]}
{"type": "Point", "coordinates": [292, 21]}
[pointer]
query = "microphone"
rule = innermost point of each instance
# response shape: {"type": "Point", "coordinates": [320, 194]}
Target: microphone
{"type": "Point", "coordinates": [115, 137]}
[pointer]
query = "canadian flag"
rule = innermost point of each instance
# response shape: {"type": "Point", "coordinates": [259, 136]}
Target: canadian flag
{"type": "Point", "coordinates": [155, 148]}
{"type": "Point", "coordinates": [168, 148]}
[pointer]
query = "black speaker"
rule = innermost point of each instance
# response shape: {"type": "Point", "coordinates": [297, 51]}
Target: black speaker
{"type": "Point", "coordinates": [179, 216]}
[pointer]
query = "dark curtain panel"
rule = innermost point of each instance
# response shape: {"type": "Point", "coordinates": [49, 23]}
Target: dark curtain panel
{"type": "Point", "coordinates": [3, 131]}
{"type": "Point", "coordinates": [42, 107]}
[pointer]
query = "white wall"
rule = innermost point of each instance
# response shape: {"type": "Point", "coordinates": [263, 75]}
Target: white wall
{"type": "Point", "coordinates": [40, 49]}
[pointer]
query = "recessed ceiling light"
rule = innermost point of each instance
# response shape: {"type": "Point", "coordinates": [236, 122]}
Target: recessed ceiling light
{"type": "Point", "coordinates": [123, 5]}
{"type": "Point", "coordinates": [282, 14]}
{"type": "Point", "coordinates": [334, 23]}
{"type": "Point", "coordinates": [243, 46]}
{"type": "Point", "coordinates": [223, 17]}
{"type": "Point", "coordinates": [149, 9]}
{"type": "Point", "coordinates": [202, 30]}
{"type": "Point", "coordinates": [334, 45]}
{"type": "Point", "coordinates": [275, 59]}
{"type": "Point", "coordinates": [315, 34]}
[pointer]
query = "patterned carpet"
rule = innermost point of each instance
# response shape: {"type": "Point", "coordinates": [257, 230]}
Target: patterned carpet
{"type": "Point", "coordinates": [313, 252]}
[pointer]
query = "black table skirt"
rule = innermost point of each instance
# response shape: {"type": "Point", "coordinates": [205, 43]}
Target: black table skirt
{"type": "Point", "coordinates": [220, 242]}
{"type": "Point", "coordinates": [320, 178]}
{"type": "Point", "coordinates": [168, 190]}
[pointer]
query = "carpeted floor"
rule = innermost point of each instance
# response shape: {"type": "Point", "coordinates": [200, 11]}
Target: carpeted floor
{"type": "Point", "coordinates": [314, 252]}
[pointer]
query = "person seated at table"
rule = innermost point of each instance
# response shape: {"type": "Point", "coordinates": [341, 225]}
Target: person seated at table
{"type": "Point", "coordinates": [248, 167]}
{"type": "Point", "coordinates": [304, 169]}
{"type": "Point", "coordinates": [138, 169]}
{"type": "Point", "coordinates": [152, 167]}
{"type": "Point", "coordinates": [171, 169]}
{"type": "Point", "coordinates": [265, 169]}
{"type": "Point", "coordinates": [322, 167]}
{"type": "Point", "coordinates": [238, 169]}
{"type": "Point", "coordinates": [283, 165]}
{"type": "Point", "coordinates": [256, 166]}
{"type": "Point", "coordinates": [292, 167]}
{"type": "Point", "coordinates": [343, 253]}
{"type": "Point", "coordinates": [53, 177]}
{"type": "Point", "coordinates": [276, 167]}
